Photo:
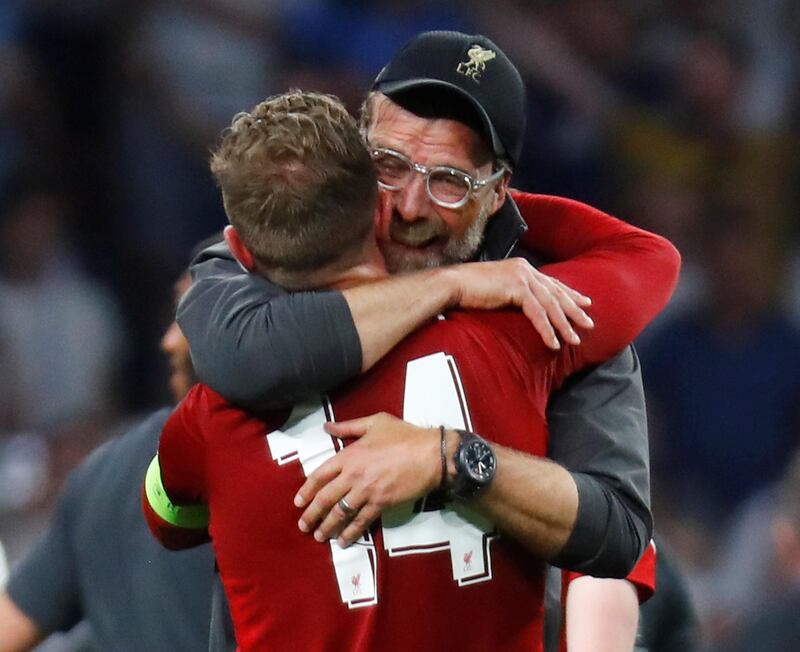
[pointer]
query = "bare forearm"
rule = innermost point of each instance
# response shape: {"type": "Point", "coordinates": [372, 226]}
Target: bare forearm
{"type": "Point", "coordinates": [532, 500]}
{"type": "Point", "coordinates": [602, 615]}
{"type": "Point", "coordinates": [19, 633]}
{"type": "Point", "coordinates": [385, 312]}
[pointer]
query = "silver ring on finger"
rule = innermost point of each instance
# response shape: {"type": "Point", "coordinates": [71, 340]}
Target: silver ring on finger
{"type": "Point", "coordinates": [346, 507]}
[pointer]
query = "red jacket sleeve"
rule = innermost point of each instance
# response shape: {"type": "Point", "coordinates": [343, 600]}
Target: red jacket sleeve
{"type": "Point", "coordinates": [630, 274]}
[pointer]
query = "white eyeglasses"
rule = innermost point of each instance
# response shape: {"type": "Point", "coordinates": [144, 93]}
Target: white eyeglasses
{"type": "Point", "coordinates": [448, 187]}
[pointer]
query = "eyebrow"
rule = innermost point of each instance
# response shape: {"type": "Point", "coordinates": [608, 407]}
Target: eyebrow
{"type": "Point", "coordinates": [472, 175]}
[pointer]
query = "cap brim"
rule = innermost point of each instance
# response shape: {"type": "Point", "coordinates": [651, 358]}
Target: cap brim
{"type": "Point", "coordinates": [396, 87]}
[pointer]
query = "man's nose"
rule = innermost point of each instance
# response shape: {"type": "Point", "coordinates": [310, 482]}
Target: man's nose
{"type": "Point", "coordinates": [412, 200]}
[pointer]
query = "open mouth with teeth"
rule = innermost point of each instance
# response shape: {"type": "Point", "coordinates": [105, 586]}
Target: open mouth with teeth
{"type": "Point", "coordinates": [418, 235]}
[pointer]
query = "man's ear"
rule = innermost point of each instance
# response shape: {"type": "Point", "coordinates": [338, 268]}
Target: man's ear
{"type": "Point", "coordinates": [239, 249]}
{"type": "Point", "coordinates": [500, 191]}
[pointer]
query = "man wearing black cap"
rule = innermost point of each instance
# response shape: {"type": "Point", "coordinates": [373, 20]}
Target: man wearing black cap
{"type": "Point", "coordinates": [470, 67]}
{"type": "Point", "coordinates": [444, 126]}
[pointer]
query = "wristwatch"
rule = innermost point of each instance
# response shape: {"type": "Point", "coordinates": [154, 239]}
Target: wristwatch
{"type": "Point", "coordinates": [475, 464]}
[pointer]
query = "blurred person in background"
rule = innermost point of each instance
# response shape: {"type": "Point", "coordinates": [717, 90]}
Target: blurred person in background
{"type": "Point", "coordinates": [60, 330]}
{"type": "Point", "coordinates": [771, 621]}
{"type": "Point", "coordinates": [704, 141]}
{"type": "Point", "coordinates": [98, 565]}
{"type": "Point", "coordinates": [188, 65]}
{"type": "Point", "coordinates": [728, 434]}
{"type": "Point", "coordinates": [648, 110]}
{"type": "Point", "coordinates": [699, 139]}
{"type": "Point", "coordinates": [31, 128]}
{"type": "Point", "coordinates": [318, 57]}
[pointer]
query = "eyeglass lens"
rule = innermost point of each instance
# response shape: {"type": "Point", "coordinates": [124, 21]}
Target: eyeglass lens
{"type": "Point", "coordinates": [444, 184]}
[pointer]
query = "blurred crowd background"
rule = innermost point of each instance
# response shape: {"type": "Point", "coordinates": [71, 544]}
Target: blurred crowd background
{"type": "Point", "coordinates": [676, 115]}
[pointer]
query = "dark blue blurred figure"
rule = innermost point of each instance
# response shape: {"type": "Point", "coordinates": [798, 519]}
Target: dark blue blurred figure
{"type": "Point", "coordinates": [336, 46]}
{"type": "Point", "coordinates": [722, 380]}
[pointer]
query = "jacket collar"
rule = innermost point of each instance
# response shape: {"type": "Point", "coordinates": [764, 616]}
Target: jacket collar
{"type": "Point", "coordinates": [503, 232]}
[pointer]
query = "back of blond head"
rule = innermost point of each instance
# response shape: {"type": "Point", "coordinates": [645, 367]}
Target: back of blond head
{"type": "Point", "coordinates": [297, 183]}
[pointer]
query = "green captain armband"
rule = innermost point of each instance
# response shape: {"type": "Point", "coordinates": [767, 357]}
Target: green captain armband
{"type": "Point", "coordinates": [191, 517]}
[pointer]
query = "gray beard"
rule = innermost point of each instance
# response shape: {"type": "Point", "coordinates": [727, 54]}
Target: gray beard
{"type": "Point", "coordinates": [456, 250]}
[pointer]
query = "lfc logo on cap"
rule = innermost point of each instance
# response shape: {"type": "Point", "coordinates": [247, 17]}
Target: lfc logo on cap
{"type": "Point", "coordinates": [473, 68]}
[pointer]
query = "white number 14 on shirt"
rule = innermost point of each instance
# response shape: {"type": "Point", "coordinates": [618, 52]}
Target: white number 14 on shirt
{"type": "Point", "coordinates": [433, 396]}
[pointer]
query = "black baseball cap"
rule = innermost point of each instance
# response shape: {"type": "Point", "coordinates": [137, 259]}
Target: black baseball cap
{"type": "Point", "coordinates": [471, 67]}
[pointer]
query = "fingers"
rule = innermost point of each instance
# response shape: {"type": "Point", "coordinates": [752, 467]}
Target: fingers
{"type": "Point", "coordinates": [355, 428]}
{"type": "Point", "coordinates": [573, 303]}
{"type": "Point", "coordinates": [358, 525]}
{"type": "Point", "coordinates": [337, 519]}
{"type": "Point", "coordinates": [564, 312]}
{"type": "Point", "coordinates": [580, 299]}
{"type": "Point", "coordinates": [324, 502]}
{"type": "Point", "coordinates": [548, 296]}
{"type": "Point", "coordinates": [386, 468]}
{"type": "Point", "coordinates": [321, 477]}
{"type": "Point", "coordinates": [537, 315]}
{"type": "Point", "coordinates": [549, 317]}
{"type": "Point", "coordinates": [553, 308]}
{"type": "Point", "coordinates": [329, 519]}
{"type": "Point", "coordinates": [349, 429]}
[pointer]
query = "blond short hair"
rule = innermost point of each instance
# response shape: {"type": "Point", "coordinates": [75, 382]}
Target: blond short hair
{"type": "Point", "coordinates": [298, 183]}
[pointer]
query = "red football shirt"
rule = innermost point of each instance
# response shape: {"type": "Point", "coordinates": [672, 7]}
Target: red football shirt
{"type": "Point", "coordinates": [428, 576]}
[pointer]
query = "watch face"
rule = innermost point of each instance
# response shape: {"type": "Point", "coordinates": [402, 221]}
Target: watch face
{"type": "Point", "coordinates": [479, 461]}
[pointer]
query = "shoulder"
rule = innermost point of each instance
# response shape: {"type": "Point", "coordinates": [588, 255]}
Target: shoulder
{"type": "Point", "coordinates": [141, 437]}
{"type": "Point", "coordinates": [104, 474]}
{"type": "Point", "coordinates": [144, 433]}
{"type": "Point", "coordinates": [209, 415]}
{"type": "Point", "coordinates": [507, 328]}
{"type": "Point", "coordinates": [490, 334]}
{"type": "Point", "coordinates": [200, 403]}
{"type": "Point", "coordinates": [528, 202]}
